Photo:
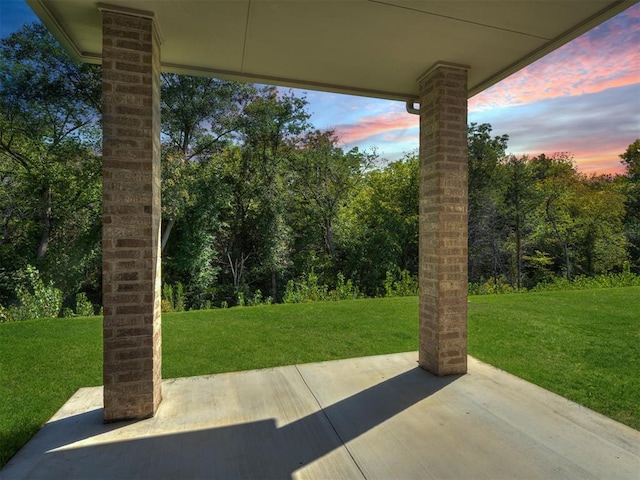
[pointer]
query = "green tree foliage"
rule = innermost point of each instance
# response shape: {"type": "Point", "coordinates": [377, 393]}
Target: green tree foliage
{"type": "Point", "coordinates": [255, 244]}
{"type": "Point", "coordinates": [487, 231]}
{"type": "Point", "coordinates": [520, 200]}
{"type": "Point", "coordinates": [191, 256]}
{"type": "Point", "coordinates": [539, 218]}
{"type": "Point", "coordinates": [199, 117]}
{"type": "Point", "coordinates": [321, 180]}
{"type": "Point", "coordinates": [379, 226]}
{"type": "Point", "coordinates": [631, 185]}
{"type": "Point", "coordinates": [631, 159]}
{"type": "Point", "coordinates": [579, 219]}
{"type": "Point", "coordinates": [51, 190]}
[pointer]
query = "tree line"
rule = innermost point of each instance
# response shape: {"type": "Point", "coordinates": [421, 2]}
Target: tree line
{"type": "Point", "coordinates": [260, 206]}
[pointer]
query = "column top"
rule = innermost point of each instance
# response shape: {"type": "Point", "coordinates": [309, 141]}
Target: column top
{"type": "Point", "coordinates": [440, 64]}
{"type": "Point", "coordinates": [133, 12]}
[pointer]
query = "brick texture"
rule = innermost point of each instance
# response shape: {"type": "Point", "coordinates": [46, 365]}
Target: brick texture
{"type": "Point", "coordinates": [443, 220]}
{"type": "Point", "coordinates": [131, 217]}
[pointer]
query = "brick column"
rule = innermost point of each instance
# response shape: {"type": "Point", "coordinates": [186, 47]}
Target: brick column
{"type": "Point", "coordinates": [131, 215]}
{"type": "Point", "coordinates": [443, 220]}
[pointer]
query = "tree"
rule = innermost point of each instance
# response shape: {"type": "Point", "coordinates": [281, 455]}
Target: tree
{"type": "Point", "coordinates": [601, 211]}
{"type": "Point", "coordinates": [486, 183]}
{"type": "Point", "coordinates": [256, 241]}
{"type": "Point", "coordinates": [631, 159]}
{"type": "Point", "coordinates": [580, 218]}
{"type": "Point", "coordinates": [191, 257]}
{"type": "Point", "coordinates": [199, 117]}
{"type": "Point", "coordinates": [378, 229]}
{"type": "Point", "coordinates": [631, 181]}
{"type": "Point", "coordinates": [556, 177]}
{"type": "Point", "coordinates": [321, 179]}
{"type": "Point", "coordinates": [50, 199]}
{"type": "Point", "coordinates": [520, 200]}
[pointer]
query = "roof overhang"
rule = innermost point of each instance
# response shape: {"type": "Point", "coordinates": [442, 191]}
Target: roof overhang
{"type": "Point", "coordinates": [376, 48]}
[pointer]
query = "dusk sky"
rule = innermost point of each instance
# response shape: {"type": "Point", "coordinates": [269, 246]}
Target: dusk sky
{"type": "Point", "coordinates": [583, 98]}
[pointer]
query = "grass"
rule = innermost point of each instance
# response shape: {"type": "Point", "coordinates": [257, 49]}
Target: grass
{"type": "Point", "coordinates": [580, 344]}
{"type": "Point", "coordinates": [267, 336]}
{"type": "Point", "coordinates": [43, 363]}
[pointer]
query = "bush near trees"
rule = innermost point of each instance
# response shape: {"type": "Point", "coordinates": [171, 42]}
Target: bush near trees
{"type": "Point", "coordinates": [261, 207]}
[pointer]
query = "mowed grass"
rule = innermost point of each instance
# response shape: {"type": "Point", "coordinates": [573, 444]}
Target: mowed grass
{"type": "Point", "coordinates": [43, 363]}
{"type": "Point", "coordinates": [197, 343]}
{"type": "Point", "coordinates": [583, 345]}
{"type": "Point", "coordinates": [580, 344]}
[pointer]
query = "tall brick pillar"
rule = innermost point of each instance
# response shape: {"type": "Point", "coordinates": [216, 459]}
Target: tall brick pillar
{"type": "Point", "coordinates": [131, 215]}
{"type": "Point", "coordinates": [443, 220]}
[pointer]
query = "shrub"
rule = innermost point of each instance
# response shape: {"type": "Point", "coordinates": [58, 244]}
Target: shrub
{"type": "Point", "coordinates": [308, 289]}
{"type": "Point", "coordinates": [37, 300]}
{"type": "Point", "coordinates": [258, 299]}
{"type": "Point", "coordinates": [254, 301]}
{"type": "Point", "coordinates": [174, 297]}
{"type": "Point", "coordinates": [84, 308]}
{"type": "Point", "coordinates": [583, 282]}
{"type": "Point", "coordinates": [291, 294]}
{"type": "Point", "coordinates": [165, 306]}
{"type": "Point", "coordinates": [344, 290]}
{"type": "Point", "coordinates": [5, 315]}
{"type": "Point", "coordinates": [405, 286]}
{"type": "Point", "coordinates": [241, 300]}
{"type": "Point", "coordinates": [494, 286]}
{"type": "Point", "coordinates": [178, 303]}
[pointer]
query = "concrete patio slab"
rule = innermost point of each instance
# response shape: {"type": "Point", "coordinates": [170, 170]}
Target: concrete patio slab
{"type": "Point", "coordinates": [375, 417]}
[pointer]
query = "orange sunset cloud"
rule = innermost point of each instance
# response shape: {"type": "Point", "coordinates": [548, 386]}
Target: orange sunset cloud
{"type": "Point", "coordinates": [598, 156]}
{"type": "Point", "coordinates": [367, 127]}
{"type": "Point", "coordinates": [599, 165]}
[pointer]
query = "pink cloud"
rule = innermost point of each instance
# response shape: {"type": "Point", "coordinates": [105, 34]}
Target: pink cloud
{"type": "Point", "coordinates": [598, 60]}
{"type": "Point", "coordinates": [592, 158]}
{"type": "Point", "coordinates": [597, 162]}
{"type": "Point", "coordinates": [601, 166]}
{"type": "Point", "coordinates": [367, 127]}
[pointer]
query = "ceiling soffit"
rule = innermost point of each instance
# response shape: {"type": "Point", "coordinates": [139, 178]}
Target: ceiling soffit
{"type": "Point", "coordinates": [374, 48]}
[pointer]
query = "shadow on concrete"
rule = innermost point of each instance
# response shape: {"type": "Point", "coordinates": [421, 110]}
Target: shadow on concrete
{"type": "Point", "coordinates": [259, 449]}
{"type": "Point", "coordinates": [75, 428]}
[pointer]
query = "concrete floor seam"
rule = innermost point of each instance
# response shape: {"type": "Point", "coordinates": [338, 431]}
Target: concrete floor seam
{"type": "Point", "coordinates": [346, 447]}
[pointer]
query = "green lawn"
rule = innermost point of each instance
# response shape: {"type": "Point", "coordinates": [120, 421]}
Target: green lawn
{"type": "Point", "coordinates": [583, 345]}
{"type": "Point", "coordinates": [580, 344]}
{"type": "Point", "coordinates": [196, 343]}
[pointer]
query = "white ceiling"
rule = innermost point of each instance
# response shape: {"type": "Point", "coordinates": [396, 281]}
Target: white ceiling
{"type": "Point", "coordinates": [362, 47]}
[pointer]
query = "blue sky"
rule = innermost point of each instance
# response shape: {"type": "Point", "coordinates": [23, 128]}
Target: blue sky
{"type": "Point", "coordinates": [583, 99]}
